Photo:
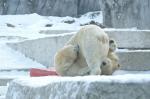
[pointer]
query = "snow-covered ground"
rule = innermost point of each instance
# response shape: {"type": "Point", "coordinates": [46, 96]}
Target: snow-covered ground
{"type": "Point", "coordinates": [16, 28]}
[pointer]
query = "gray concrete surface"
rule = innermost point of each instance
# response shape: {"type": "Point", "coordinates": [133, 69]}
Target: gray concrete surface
{"type": "Point", "coordinates": [43, 50]}
{"type": "Point", "coordinates": [134, 60]}
{"type": "Point", "coordinates": [90, 87]}
{"type": "Point", "coordinates": [4, 81]}
{"type": "Point", "coordinates": [130, 39]}
{"type": "Point", "coordinates": [3, 91]}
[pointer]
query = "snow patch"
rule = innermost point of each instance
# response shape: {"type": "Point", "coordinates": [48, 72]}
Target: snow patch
{"type": "Point", "coordinates": [42, 81]}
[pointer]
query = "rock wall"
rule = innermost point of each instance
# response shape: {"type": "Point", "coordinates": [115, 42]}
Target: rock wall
{"type": "Point", "coordinates": [117, 13]}
{"type": "Point", "coordinates": [126, 13]}
{"type": "Point", "coordinates": [42, 7]}
{"type": "Point", "coordinates": [85, 6]}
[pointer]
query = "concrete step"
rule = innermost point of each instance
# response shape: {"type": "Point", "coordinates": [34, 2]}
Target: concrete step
{"type": "Point", "coordinates": [130, 39]}
{"type": "Point", "coordinates": [43, 50]}
{"type": "Point", "coordinates": [134, 59]}
{"type": "Point", "coordinates": [126, 38]}
{"type": "Point", "coordinates": [86, 87]}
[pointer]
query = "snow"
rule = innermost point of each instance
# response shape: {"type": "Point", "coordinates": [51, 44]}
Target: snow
{"type": "Point", "coordinates": [27, 27]}
{"type": "Point", "coordinates": [42, 81]}
{"type": "Point", "coordinates": [124, 72]}
{"type": "Point", "coordinates": [132, 50]}
{"type": "Point", "coordinates": [37, 22]}
{"type": "Point", "coordinates": [125, 29]}
{"type": "Point", "coordinates": [8, 61]}
{"type": "Point", "coordinates": [12, 74]}
{"type": "Point", "coordinates": [2, 97]}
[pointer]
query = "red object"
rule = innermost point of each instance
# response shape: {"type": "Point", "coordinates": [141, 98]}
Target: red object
{"type": "Point", "coordinates": [35, 72]}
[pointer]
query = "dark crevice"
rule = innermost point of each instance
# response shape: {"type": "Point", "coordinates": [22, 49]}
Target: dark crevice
{"type": "Point", "coordinates": [4, 7]}
{"type": "Point", "coordinates": [107, 16]}
{"type": "Point", "coordinates": [44, 5]}
{"type": "Point", "coordinates": [78, 5]}
{"type": "Point", "coordinates": [17, 7]}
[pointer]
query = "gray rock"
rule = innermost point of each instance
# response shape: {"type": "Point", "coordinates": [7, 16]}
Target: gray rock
{"type": "Point", "coordinates": [44, 7]}
{"type": "Point", "coordinates": [126, 13]}
{"type": "Point", "coordinates": [116, 13]}
{"type": "Point", "coordinates": [89, 87]}
{"type": "Point", "coordinates": [85, 6]}
{"type": "Point", "coordinates": [17, 7]}
{"type": "Point", "coordinates": [56, 7]}
{"type": "Point", "coordinates": [1, 6]}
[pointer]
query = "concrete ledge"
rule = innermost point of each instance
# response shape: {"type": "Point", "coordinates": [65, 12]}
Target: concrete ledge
{"type": "Point", "coordinates": [126, 38]}
{"type": "Point", "coordinates": [43, 50]}
{"type": "Point", "coordinates": [131, 39]}
{"type": "Point", "coordinates": [137, 60]}
{"type": "Point", "coordinates": [88, 87]}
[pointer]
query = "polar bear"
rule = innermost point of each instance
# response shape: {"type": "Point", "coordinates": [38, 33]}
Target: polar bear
{"type": "Point", "coordinates": [91, 40]}
{"type": "Point", "coordinates": [68, 63]}
{"type": "Point", "coordinates": [110, 64]}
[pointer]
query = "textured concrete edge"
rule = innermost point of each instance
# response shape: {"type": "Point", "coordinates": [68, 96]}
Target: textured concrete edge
{"type": "Point", "coordinates": [4, 82]}
{"type": "Point", "coordinates": [80, 90]}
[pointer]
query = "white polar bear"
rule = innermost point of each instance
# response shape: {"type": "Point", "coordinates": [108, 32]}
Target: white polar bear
{"type": "Point", "coordinates": [93, 44]}
{"type": "Point", "coordinates": [69, 62]}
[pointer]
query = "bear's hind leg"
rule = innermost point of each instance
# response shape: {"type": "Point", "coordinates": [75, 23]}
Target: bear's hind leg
{"type": "Point", "coordinates": [64, 59]}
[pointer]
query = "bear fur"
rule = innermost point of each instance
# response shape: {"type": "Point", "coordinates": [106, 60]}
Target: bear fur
{"type": "Point", "coordinates": [84, 53]}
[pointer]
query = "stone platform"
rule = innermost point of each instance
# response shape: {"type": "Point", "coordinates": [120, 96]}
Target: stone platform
{"type": "Point", "coordinates": [87, 87]}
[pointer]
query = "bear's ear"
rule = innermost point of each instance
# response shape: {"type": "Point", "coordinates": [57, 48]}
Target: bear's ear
{"type": "Point", "coordinates": [104, 63]}
{"type": "Point", "coordinates": [112, 45]}
{"type": "Point", "coordinates": [111, 41]}
{"type": "Point", "coordinates": [118, 65]}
